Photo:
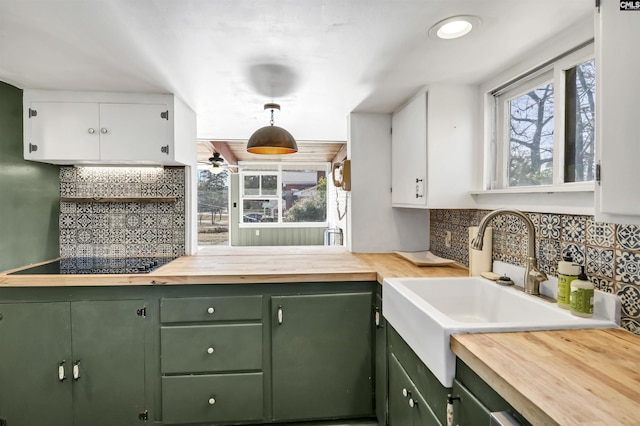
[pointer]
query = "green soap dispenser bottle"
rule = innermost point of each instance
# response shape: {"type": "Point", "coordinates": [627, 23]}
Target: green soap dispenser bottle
{"type": "Point", "coordinates": [567, 272]}
{"type": "Point", "coordinates": [581, 298]}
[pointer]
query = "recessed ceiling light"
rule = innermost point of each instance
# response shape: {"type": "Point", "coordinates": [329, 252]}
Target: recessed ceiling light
{"type": "Point", "coordinates": [454, 27]}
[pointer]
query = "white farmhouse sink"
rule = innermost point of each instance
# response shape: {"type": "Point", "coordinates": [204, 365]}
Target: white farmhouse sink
{"type": "Point", "coordinates": [426, 311]}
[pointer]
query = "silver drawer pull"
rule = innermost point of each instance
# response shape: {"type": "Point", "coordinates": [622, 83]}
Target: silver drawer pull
{"type": "Point", "coordinates": [280, 315]}
{"type": "Point", "coordinates": [412, 402]}
{"type": "Point", "coordinates": [210, 350]}
{"type": "Point", "coordinates": [76, 370]}
{"type": "Point", "coordinates": [405, 392]}
{"type": "Point", "coordinates": [210, 310]}
{"type": "Point", "coordinates": [212, 401]}
{"type": "Point", "coordinates": [61, 375]}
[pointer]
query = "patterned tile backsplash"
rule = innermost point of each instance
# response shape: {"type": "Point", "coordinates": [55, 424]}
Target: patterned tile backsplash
{"type": "Point", "coordinates": [122, 229]}
{"type": "Point", "coordinates": [610, 253]}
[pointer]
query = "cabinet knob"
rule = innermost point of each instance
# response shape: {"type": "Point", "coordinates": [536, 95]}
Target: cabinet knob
{"type": "Point", "coordinates": [210, 310]}
{"type": "Point", "coordinates": [412, 402]}
{"type": "Point", "coordinates": [210, 350]}
{"type": "Point", "coordinates": [280, 315]}
{"type": "Point", "coordinates": [212, 401]}
{"type": "Point", "coordinates": [104, 131]}
{"type": "Point", "coordinates": [91, 130]}
{"type": "Point", "coordinates": [405, 392]}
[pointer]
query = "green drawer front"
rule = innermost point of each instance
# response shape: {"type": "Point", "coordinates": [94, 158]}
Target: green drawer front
{"type": "Point", "coordinates": [211, 348]}
{"type": "Point", "coordinates": [236, 398]}
{"type": "Point", "coordinates": [205, 309]}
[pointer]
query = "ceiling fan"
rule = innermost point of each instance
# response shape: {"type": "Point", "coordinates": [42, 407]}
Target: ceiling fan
{"type": "Point", "coordinates": [215, 164]}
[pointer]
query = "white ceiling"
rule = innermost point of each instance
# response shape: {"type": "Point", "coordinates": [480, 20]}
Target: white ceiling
{"type": "Point", "coordinates": [320, 59]}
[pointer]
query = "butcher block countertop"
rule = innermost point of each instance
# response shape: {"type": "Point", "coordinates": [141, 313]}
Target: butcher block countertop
{"type": "Point", "coordinates": [565, 377]}
{"type": "Point", "coordinates": [237, 265]}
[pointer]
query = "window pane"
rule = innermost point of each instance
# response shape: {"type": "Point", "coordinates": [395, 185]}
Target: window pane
{"type": "Point", "coordinates": [304, 194]}
{"type": "Point", "coordinates": [580, 121]}
{"type": "Point", "coordinates": [531, 137]}
{"type": "Point", "coordinates": [269, 185]}
{"type": "Point", "coordinates": [251, 185]}
{"type": "Point", "coordinates": [259, 211]}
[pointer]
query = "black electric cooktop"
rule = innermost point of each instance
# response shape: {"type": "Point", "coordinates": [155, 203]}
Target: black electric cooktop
{"type": "Point", "coordinates": [98, 265]}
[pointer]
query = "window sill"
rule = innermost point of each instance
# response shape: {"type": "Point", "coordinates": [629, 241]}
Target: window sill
{"type": "Point", "coordinates": [284, 225]}
{"type": "Point", "coordinates": [565, 199]}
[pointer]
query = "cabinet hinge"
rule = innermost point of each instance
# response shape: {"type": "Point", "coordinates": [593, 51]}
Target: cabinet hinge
{"type": "Point", "coordinates": [164, 115]}
{"type": "Point", "coordinates": [143, 416]}
{"type": "Point", "coordinates": [142, 312]}
{"type": "Point", "coordinates": [32, 113]}
{"type": "Point", "coordinates": [598, 173]}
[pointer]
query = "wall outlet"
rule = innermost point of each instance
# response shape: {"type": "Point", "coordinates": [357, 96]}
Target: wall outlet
{"type": "Point", "coordinates": [257, 232]}
{"type": "Point", "coordinates": [447, 239]}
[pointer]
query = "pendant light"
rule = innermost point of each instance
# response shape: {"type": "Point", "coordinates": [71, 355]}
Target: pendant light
{"type": "Point", "coordinates": [272, 139]}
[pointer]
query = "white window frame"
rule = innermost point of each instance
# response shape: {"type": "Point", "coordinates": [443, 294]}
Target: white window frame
{"type": "Point", "coordinates": [554, 72]}
{"type": "Point", "coordinates": [251, 169]}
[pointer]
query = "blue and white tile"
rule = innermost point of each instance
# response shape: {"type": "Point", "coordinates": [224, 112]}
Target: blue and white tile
{"type": "Point", "coordinates": [118, 236]}
{"type": "Point", "coordinates": [148, 220]}
{"type": "Point", "coordinates": [149, 236]}
{"type": "Point", "coordinates": [600, 233]}
{"type": "Point", "coordinates": [575, 250]}
{"type": "Point", "coordinates": [629, 295]}
{"type": "Point", "coordinates": [165, 208]}
{"type": "Point", "coordinates": [549, 251]}
{"type": "Point", "coordinates": [628, 237]}
{"type": "Point", "coordinates": [599, 262]}
{"type": "Point", "coordinates": [574, 228]}
{"type": "Point", "coordinates": [133, 236]}
{"type": "Point", "coordinates": [66, 207]}
{"type": "Point", "coordinates": [631, 325]}
{"type": "Point", "coordinates": [68, 236]}
{"type": "Point", "coordinates": [627, 266]}
{"type": "Point", "coordinates": [164, 221]}
{"type": "Point", "coordinates": [117, 221]}
{"type": "Point", "coordinates": [602, 284]}
{"type": "Point", "coordinates": [84, 250]}
{"type": "Point", "coordinates": [67, 189]}
{"type": "Point", "coordinates": [84, 236]}
{"type": "Point", "coordinates": [133, 220]}
{"type": "Point", "coordinates": [67, 221]}
{"type": "Point", "coordinates": [550, 226]}
{"type": "Point", "coordinates": [67, 174]}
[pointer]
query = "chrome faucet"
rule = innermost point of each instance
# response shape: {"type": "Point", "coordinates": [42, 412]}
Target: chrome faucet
{"type": "Point", "coordinates": [532, 275]}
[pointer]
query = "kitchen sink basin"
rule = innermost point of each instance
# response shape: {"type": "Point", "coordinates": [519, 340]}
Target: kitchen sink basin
{"type": "Point", "coordinates": [426, 311]}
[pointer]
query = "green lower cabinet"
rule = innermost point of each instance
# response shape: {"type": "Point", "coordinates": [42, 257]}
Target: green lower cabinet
{"type": "Point", "coordinates": [35, 338]}
{"type": "Point", "coordinates": [212, 398]}
{"type": "Point", "coordinates": [475, 399]}
{"type": "Point", "coordinates": [72, 363]}
{"type": "Point", "coordinates": [407, 406]}
{"type": "Point", "coordinates": [416, 397]}
{"type": "Point", "coordinates": [322, 364]}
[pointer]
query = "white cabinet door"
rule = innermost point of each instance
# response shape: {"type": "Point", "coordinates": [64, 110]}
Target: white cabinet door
{"type": "Point", "coordinates": [432, 151]}
{"type": "Point", "coordinates": [618, 94]}
{"type": "Point", "coordinates": [134, 132]}
{"type": "Point", "coordinates": [62, 131]}
{"type": "Point", "coordinates": [409, 154]}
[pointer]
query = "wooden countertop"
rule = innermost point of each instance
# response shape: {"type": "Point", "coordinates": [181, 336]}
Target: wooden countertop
{"type": "Point", "coordinates": [566, 377]}
{"type": "Point", "coordinates": [236, 265]}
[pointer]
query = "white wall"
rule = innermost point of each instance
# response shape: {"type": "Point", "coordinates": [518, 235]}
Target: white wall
{"type": "Point", "coordinates": [377, 227]}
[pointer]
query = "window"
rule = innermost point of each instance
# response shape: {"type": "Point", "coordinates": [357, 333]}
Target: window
{"type": "Point", "coordinates": [545, 125]}
{"type": "Point", "coordinates": [284, 193]}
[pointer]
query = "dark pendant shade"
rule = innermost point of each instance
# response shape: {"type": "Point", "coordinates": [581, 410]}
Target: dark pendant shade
{"type": "Point", "coordinates": [272, 139]}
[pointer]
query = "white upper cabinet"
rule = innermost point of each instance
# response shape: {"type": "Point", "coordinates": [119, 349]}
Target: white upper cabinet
{"type": "Point", "coordinates": [618, 132]}
{"type": "Point", "coordinates": [432, 151]}
{"type": "Point", "coordinates": [102, 128]}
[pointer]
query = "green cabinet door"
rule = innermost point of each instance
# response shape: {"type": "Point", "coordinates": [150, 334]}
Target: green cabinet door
{"type": "Point", "coordinates": [35, 346]}
{"type": "Point", "coordinates": [399, 393]}
{"type": "Point", "coordinates": [108, 348]}
{"type": "Point", "coordinates": [322, 363]}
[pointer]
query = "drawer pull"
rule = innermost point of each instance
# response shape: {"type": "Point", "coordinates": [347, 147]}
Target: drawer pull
{"type": "Point", "coordinates": [61, 375]}
{"type": "Point", "coordinates": [405, 392]}
{"type": "Point", "coordinates": [210, 350]}
{"type": "Point", "coordinates": [412, 402]}
{"type": "Point", "coordinates": [212, 401]}
{"type": "Point", "coordinates": [76, 370]}
{"type": "Point", "coordinates": [210, 310]}
{"type": "Point", "coordinates": [280, 315]}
